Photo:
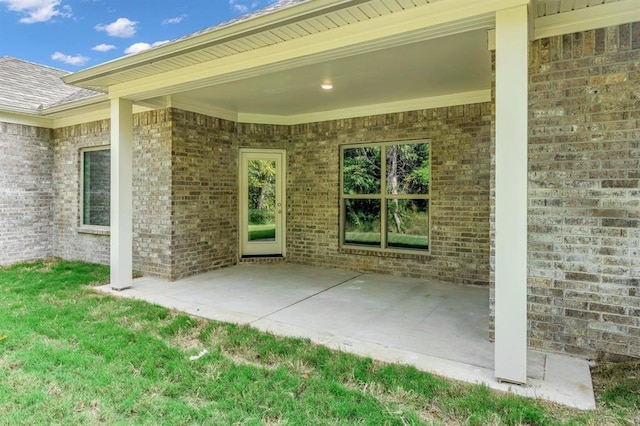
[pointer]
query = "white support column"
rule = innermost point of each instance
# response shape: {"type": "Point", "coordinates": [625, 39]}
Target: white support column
{"type": "Point", "coordinates": [511, 195]}
{"type": "Point", "coordinates": [121, 193]}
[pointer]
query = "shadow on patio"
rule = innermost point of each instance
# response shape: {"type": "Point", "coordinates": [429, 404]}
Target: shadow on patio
{"type": "Point", "coordinates": [437, 327]}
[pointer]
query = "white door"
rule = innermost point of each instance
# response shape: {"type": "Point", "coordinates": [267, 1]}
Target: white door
{"type": "Point", "coordinates": [262, 202]}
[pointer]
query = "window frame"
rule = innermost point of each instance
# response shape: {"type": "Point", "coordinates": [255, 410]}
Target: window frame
{"type": "Point", "coordinates": [383, 197]}
{"type": "Point", "coordinates": [83, 226]}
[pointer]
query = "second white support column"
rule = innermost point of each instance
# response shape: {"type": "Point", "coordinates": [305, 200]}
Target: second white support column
{"type": "Point", "coordinates": [511, 195]}
{"type": "Point", "coordinates": [121, 193]}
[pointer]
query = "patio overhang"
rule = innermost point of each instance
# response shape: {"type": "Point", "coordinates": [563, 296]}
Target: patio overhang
{"type": "Point", "coordinates": [375, 54]}
{"type": "Point", "coordinates": [382, 56]}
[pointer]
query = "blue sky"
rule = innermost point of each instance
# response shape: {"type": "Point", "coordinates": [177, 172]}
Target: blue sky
{"type": "Point", "coordinates": [76, 34]}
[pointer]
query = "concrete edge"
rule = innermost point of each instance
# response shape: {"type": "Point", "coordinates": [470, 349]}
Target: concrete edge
{"type": "Point", "coordinates": [566, 394]}
{"type": "Point", "coordinates": [566, 381]}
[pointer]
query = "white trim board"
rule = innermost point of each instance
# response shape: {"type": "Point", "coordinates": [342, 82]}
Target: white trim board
{"type": "Point", "coordinates": [590, 18]}
{"type": "Point", "coordinates": [455, 99]}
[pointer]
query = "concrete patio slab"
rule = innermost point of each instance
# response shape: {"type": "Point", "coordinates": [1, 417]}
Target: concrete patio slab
{"type": "Point", "coordinates": [436, 327]}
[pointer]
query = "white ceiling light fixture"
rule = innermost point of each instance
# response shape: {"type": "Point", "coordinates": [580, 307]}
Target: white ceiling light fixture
{"type": "Point", "coordinates": [326, 86]}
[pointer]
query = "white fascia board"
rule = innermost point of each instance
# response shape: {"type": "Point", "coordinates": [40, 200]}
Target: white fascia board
{"type": "Point", "coordinates": [81, 117]}
{"type": "Point", "coordinates": [83, 111]}
{"type": "Point", "coordinates": [25, 119]}
{"type": "Point", "coordinates": [82, 103]}
{"type": "Point", "coordinates": [411, 25]}
{"type": "Point", "coordinates": [226, 33]}
{"type": "Point", "coordinates": [604, 15]}
{"type": "Point", "coordinates": [205, 109]}
{"type": "Point", "coordinates": [464, 98]}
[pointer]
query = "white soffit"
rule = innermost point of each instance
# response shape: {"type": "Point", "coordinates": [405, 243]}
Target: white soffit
{"type": "Point", "coordinates": [557, 17]}
{"type": "Point", "coordinates": [553, 7]}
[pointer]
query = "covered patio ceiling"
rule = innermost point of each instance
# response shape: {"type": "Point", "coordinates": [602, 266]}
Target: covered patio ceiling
{"type": "Point", "coordinates": [379, 55]}
{"type": "Point", "coordinates": [412, 74]}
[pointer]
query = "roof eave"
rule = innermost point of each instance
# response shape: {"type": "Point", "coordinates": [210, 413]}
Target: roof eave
{"type": "Point", "coordinates": [198, 41]}
{"type": "Point", "coordinates": [18, 110]}
{"type": "Point", "coordinates": [81, 103]}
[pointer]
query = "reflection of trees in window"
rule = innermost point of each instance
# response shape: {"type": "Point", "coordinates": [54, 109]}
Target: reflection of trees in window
{"type": "Point", "coordinates": [262, 195]}
{"type": "Point", "coordinates": [96, 187]}
{"type": "Point", "coordinates": [361, 170]}
{"type": "Point", "coordinates": [392, 212]}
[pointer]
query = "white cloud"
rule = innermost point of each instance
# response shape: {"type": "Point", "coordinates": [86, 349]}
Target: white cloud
{"type": "Point", "coordinates": [122, 27]}
{"type": "Point", "coordinates": [139, 47]}
{"type": "Point", "coordinates": [103, 47]}
{"type": "Point", "coordinates": [77, 60]}
{"type": "Point", "coordinates": [175, 20]}
{"type": "Point", "coordinates": [243, 6]}
{"type": "Point", "coordinates": [38, 10]}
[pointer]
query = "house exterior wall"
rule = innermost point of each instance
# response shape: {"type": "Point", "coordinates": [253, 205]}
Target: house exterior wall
{"type": "Point", "coordinates": [584, 193]}
{"type": "Point", "coordinates": [26, 193]}
{"type": "Point", "coordinates": [460, 169]}
{"type": "Point", "coordinates": [151, 193]}
{"type": "Point", "coordinates": [204, 217]}
{"type": "Point", "coordinates": [152, 182]}
{"type": "Point", "coordinates": [70, 242]}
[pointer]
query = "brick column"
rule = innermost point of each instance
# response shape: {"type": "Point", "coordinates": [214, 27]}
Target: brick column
{"type": "Point", "coordinates": [511, 195]}
{"type": "Point", "coordinates": [121, 193]}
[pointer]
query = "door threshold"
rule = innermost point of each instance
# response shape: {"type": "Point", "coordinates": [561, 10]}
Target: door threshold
{"type": "Point", "coordinates": [261, 258]}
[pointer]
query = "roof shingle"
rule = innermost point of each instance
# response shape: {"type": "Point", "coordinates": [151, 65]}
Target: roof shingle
{"type": "Point", "coordinates": [28, 86]}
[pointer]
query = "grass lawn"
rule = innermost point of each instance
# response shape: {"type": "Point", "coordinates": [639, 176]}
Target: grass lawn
{"type": "Point", "coordinates": [72, 356]}
{"type": "Point", "coordinates": [397, 240]}
{"type": "Point", "coordinates": [262, 232]}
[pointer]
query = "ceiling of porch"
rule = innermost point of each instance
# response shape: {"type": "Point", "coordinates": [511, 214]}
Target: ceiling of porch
{"type": "Point", "coordinates": [459, 64]}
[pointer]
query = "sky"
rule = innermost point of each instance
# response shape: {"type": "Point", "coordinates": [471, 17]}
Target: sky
{"type": "Point", "coordinates": [76, 34]}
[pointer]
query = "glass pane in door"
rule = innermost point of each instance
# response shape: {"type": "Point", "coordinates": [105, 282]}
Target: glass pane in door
{"type": "Point", "coordinates": [261, 181]}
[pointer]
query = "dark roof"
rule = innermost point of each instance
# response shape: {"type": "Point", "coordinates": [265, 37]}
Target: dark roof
{"type": "Point", "coordinates": [28, 86]}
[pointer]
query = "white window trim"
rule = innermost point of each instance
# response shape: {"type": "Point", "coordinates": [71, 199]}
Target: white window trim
{"type": "Point", "coordinates": [98, 229]}
{"type": "Point", "coordinates": [382, 196]}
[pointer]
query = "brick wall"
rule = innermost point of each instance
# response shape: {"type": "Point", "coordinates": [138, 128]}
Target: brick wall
{"type": "Point", "coordinates": [151, 193]}
{"type": "Point", "coordinates": [460, 143]}
{"type": "Point", "coordinates": [584, 193]}
{"type": "Point", "coordinates": [26, 193]}
{"type": "Point", "coordinates": [204, 216]}
{"type": "Point", "coordinates": [69, 241]}
{"type": "Point", "coordinates": [152, 135]}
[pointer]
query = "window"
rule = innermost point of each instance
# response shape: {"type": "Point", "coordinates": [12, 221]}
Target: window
{"type": "Point", "coordinates": [384, 198]}
{"type": "Point", "coordinates": [95, 187]}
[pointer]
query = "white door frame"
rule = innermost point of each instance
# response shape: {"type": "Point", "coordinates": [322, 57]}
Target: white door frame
{"type": "Point", "coordinates": [277, 247]}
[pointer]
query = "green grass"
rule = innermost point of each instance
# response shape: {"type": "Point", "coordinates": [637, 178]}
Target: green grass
{"type": "Point", "coordinates": [71, 356]}
{"type": "Point", "coordinates": [394, 239]}
{"type": "Point", "coordinates": [262, 232]}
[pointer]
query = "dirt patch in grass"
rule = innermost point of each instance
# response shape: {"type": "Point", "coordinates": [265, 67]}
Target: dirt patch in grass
{"type": "Point", "coordinates": [617, 387]}
{"type": "Point", "coordinates": [617, 383]}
